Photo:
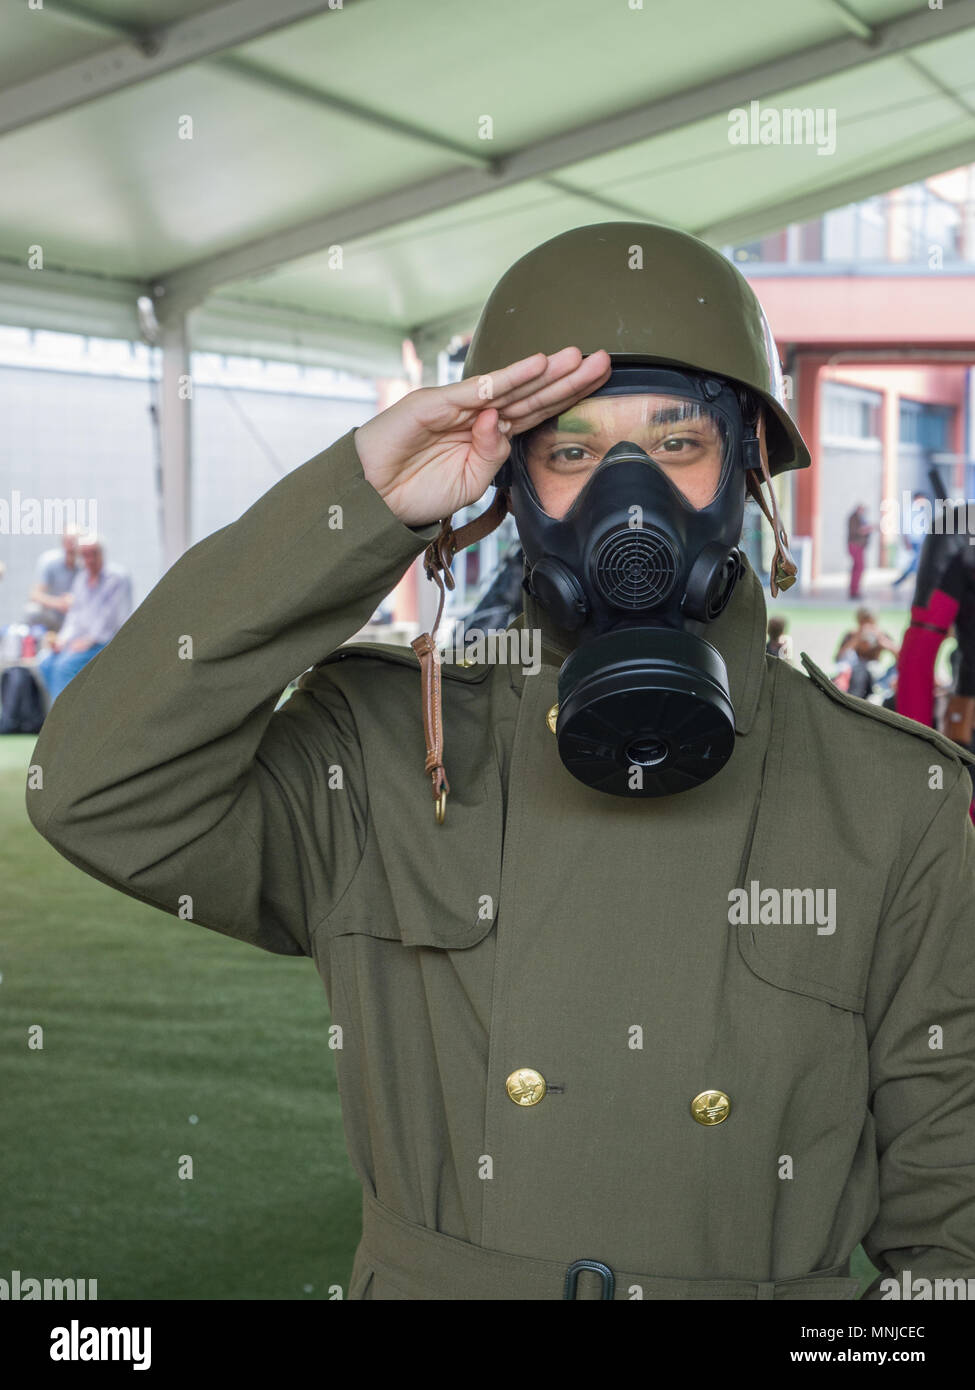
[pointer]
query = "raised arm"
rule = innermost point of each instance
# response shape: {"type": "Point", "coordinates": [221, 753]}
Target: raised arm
{"type": "Point", "coordinates": [163, 768]}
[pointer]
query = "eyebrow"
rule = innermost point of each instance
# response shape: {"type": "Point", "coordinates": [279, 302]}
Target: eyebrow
{"type": "Point", "coordinates": [668, 415]}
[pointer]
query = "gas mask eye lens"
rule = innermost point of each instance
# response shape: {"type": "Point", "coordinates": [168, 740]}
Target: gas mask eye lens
{"type": "Point", "coordinates": [686, 440]}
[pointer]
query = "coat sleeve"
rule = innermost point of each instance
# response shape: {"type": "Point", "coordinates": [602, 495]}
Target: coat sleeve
{"type": "Point", "coordinates": [164, 768]}
{"type": "Point", "coordinates": [920, 1016]}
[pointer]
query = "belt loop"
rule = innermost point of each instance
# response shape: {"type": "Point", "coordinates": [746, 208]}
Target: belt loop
{"type": "Point", "coordinates": [604, 1272]}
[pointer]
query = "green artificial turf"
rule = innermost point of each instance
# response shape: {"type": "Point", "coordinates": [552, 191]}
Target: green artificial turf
{"type": "Point", "coordinates": [149, 1021]}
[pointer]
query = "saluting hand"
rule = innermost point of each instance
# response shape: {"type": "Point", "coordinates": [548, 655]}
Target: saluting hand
{"type": "Point", "coordinates": [437, 449]}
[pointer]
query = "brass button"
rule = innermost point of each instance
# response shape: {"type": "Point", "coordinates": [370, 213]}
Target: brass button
{"type": "Point", "coordinates": [466, 661]}
{"type": "Point", "coordinates": [551, 717]}
{"type": "Point", "coordinates": [525, 1086]}
{"type": "Point", "coordinates": [711, 1107]}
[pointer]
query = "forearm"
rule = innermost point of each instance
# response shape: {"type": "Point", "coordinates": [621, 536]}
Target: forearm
{"type": "Point", "coordinates": [150, 754]}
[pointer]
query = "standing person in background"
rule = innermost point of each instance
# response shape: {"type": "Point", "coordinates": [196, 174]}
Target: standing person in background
{"type": "Point", "coordinates": [101, 600]}
{"type": "Point", "coordinates": [913, 538]}
{"type": "Point", "coordinates": [50, 597]}
{"type": "Point", "coordinates": [858, 533]}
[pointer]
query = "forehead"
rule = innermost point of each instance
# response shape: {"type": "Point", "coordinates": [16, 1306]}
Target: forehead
{"type": "Point", "coordinates": [597, 413]}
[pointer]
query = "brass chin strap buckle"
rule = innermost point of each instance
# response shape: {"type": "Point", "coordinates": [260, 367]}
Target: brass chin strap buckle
{"type": "Point", "coordinates": [437, 559]}
{"type": "Point", "coordinates": [784, 568]}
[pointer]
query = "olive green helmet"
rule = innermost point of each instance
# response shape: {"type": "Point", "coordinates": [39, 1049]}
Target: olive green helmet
{"type": "Point", "coordinates": [647, 294]}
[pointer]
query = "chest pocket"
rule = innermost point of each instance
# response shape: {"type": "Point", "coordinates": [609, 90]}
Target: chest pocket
{"type": "Point", "coordinates": [793, 956]}
{"type": "Point", "coordinates": [419, 882]}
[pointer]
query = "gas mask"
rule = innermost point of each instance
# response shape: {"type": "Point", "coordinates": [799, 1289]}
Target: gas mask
{"type": "Point", "coordinates": [643, 559]}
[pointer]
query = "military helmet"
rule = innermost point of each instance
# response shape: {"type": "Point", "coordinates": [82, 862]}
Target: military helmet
{"type": "Point", "coordinates": [647, 294]}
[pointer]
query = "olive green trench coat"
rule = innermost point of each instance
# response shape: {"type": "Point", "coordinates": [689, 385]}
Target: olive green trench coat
{"type": "Point", "coordinates": [599, 941]}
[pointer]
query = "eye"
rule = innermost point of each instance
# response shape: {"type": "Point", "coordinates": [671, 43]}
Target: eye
{"type": "Point", "coordinates": [570, 453]}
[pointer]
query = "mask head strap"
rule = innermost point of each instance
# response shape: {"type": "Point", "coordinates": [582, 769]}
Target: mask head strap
{"type": "Point", "coordinates": [784, 569]}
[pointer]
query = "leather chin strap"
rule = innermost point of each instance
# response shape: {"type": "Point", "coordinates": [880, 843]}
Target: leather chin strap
{"type": "Point", "coordinates": [439, 555]}
{"type": "Point", "coordinates": [438, 558]}
{"type": "Point", "coordinates": [783, 571]}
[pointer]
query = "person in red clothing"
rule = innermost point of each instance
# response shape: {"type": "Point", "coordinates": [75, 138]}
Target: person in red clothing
{"type": "Point", "coordinates": [858, 533]}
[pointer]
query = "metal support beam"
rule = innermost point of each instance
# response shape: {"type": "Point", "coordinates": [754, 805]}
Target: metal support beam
{"type": "Point", "coordinates": [191, 284]}
{"type": "Point", "coordinates": [161, 50]}
{"type": "Point", "coordinates": [175, 438]}
{"type": "Point", "coordinates": [320, 340]}
{"type": "Point", "coordinates": [95, 305]}
{"type": "Point", "coordinates": [105, 307]}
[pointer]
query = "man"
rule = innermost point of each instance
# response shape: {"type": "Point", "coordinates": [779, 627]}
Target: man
{"type": "Point", "coordinates": [101, 600]}
{"type": "Point", "coordinates": [858, 533]}
{"type": "Point", "coordinates": [586, 1051]}
{"type": "Point", "coordinates": [50, 597]}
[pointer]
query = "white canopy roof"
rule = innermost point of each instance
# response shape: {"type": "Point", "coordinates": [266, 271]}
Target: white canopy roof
{"type": "Point", "coordinates": [212, 156]}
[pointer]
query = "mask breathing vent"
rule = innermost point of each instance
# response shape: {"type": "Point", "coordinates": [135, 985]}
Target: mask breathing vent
{"type": "Point", "coordinates": [635, 568]}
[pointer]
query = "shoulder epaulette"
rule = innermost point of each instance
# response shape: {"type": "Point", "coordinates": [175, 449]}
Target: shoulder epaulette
{"type": "Point", "coordinates": [406, 656]}
{"type": "Point", "coordinates": [885, 716]}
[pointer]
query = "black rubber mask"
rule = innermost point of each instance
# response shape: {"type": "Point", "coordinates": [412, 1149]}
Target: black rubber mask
{"type": "Point", "coordinates": [638, 570]}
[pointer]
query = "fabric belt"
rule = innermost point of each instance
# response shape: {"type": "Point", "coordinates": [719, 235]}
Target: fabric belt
{"type": "Point", "coordinates": [422, 1264]}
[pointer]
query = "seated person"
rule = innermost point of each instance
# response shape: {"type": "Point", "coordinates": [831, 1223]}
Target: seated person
{"type": "Point", "coordinates": [50, 597]}
{"type": "Point", "coordinates": [101, 600]}
{"type": "Point", "coordinates": [858, 648]}
{"type": "Point", "coordinates": [779, 642]}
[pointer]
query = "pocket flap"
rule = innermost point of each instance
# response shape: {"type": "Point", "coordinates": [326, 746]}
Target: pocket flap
{"type": "Point", "coordinates": [421, 882]}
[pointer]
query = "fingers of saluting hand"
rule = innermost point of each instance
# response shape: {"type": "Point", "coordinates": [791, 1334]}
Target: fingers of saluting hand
{"type": "Point", "coordinates": [489, 436]}
{"type": "Point", "coordinates": [532, 384]}
{"type": "Point", "coordinates": [552, 398]}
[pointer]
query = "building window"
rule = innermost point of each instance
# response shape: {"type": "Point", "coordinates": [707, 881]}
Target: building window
{"type": "Point", "coordinates": [849, 413]}
{"type": "Point", "coordinates": [926, 426]}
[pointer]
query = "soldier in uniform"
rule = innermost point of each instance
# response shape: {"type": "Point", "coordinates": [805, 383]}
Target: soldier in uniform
{"type": "Point", "coordinates": [668, 990]}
